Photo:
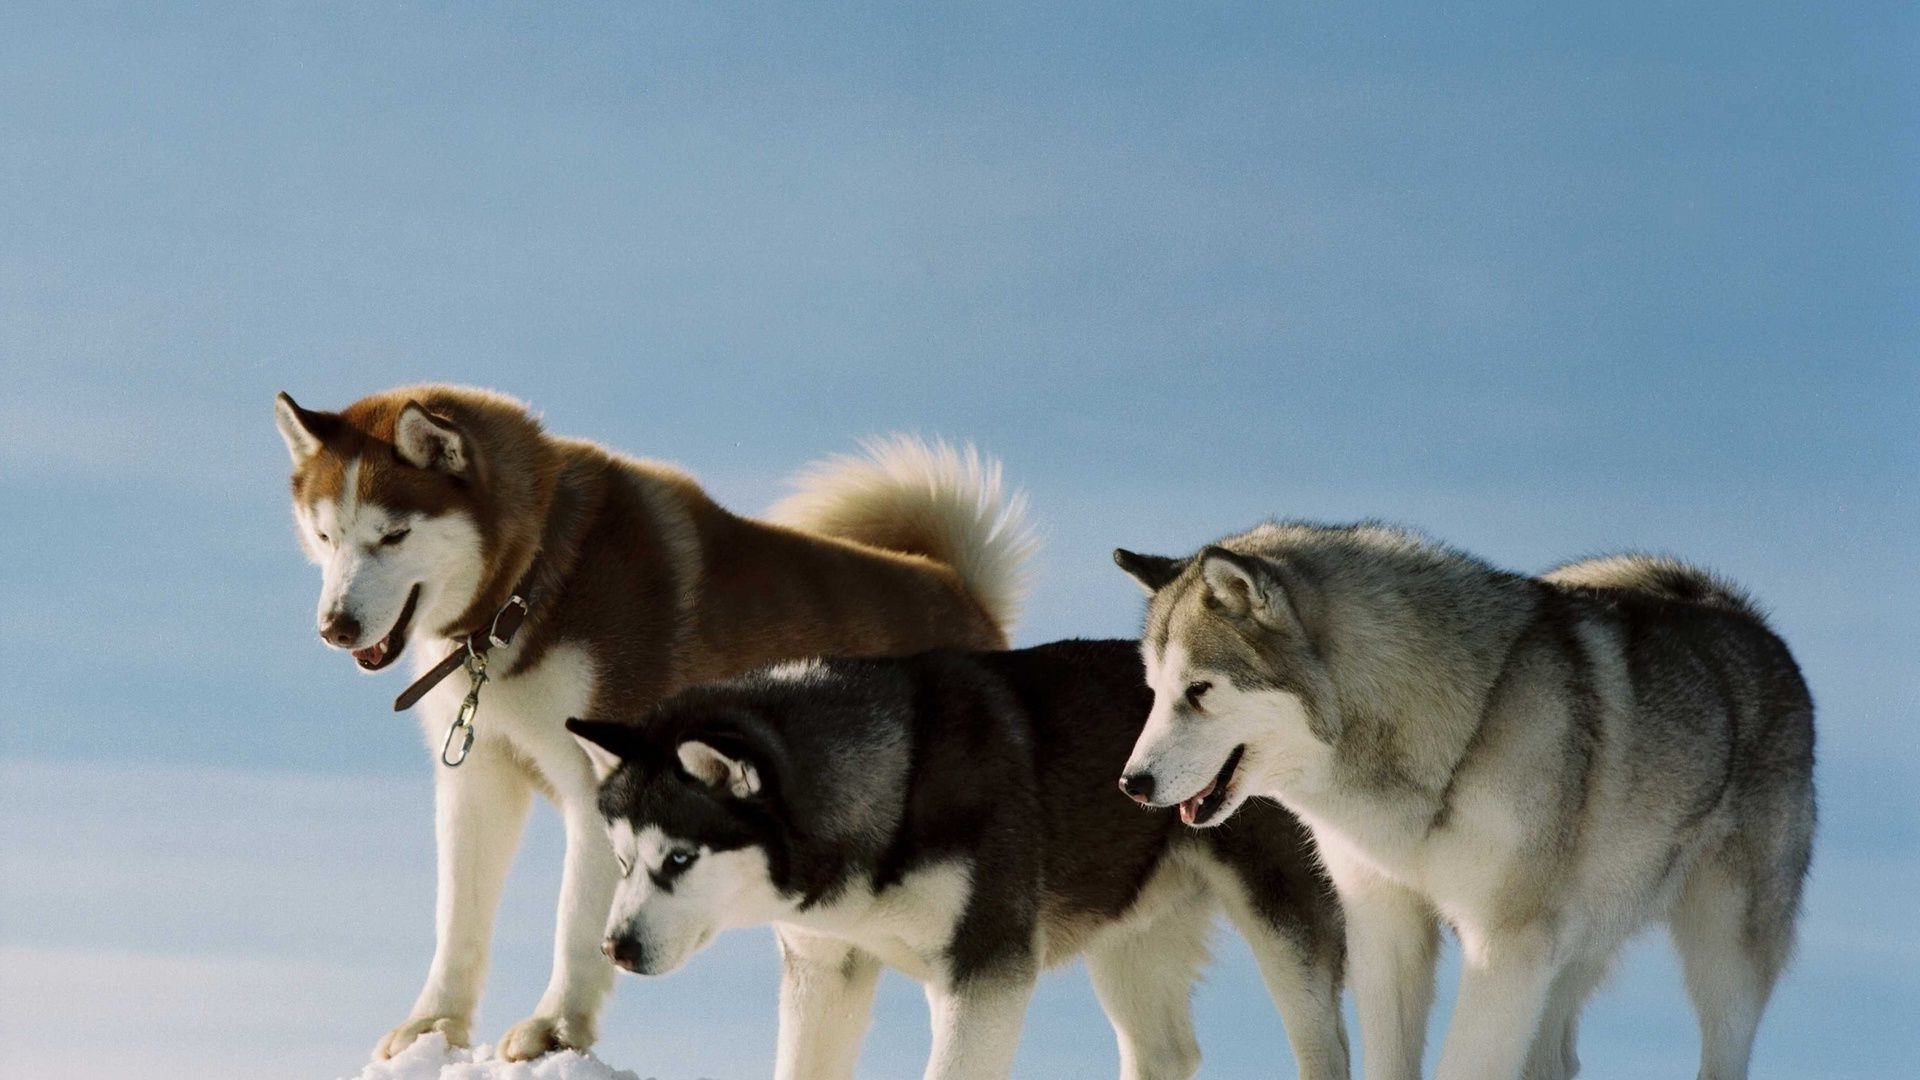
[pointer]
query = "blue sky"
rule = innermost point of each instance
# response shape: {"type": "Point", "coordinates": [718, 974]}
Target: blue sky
{"type": "Point", "coordinates": [1544, 282]}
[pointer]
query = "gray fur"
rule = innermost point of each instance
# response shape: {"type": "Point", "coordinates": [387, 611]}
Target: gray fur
{"type": "Point", "coordinates": [1544, 763]}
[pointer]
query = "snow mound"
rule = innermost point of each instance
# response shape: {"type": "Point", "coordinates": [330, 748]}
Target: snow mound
{"type": "Point", "coordinates": [430, 1058]}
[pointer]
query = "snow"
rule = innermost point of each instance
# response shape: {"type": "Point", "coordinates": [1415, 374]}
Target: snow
{"type": "Point", "coordinates": [430, 1058]}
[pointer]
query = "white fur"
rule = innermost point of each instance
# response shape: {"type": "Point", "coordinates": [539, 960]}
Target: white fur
{"type": "Point", "coordinates": [1230, 581]}
{"type": "Point", "coordinates": [976, 1027]}
{"type": "Point", "coordinates": [907, 925]}
{"type": "Point", "coordinates": [369, 580]}
{"type": "Point", "coordinates": [522, 744]}
{"type": "Point", "coordinates": [301, 443]}
{"type": "Point", "coordinates": [427, 442]}
{"type": "Point", "coordinates": [715, 769]}
{"type": "Point", "coordinates": [1143, 964]}
{"type": "Point", "coordinates": [602, 760]}
{"type": "Point", "coordinates": [1143, 978]}
{"type": "Point", "coordinates": [947, 498]}
{"type": "Point", "coordinates": [795, 671]}
{"type": "Point", "coordinates": [1728, 992]}
{"type": "Point", "coordinates": [481, 807]}
{"type": "Point", "coordinates": [1183, 746]}
{"type": "Point", "coordinates": [832, 952]}
{"type": "Point", "coordinates": [1522, 982]}
{"type": "Point", "coordinates": [1396, 882]}
{"type": "Point", "coordinates": [719, 891]}
{"type": "Point", "coordinates": [826, 999]}
{"type": "Point", "coordinates": [976, 1024]}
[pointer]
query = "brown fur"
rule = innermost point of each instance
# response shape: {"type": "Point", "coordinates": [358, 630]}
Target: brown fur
{"type": "Point", "coordinates": [664, 586]}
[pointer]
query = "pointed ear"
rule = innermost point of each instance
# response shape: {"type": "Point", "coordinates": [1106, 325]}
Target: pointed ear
{"type": "Point", "coordinates": [1153, 572]}
{"type": "Point", "coordinates": [304, 431]}
{"type": "Point", "coordinates": [426, 441]}
{"type": "Point", "coordinates": [1244, 584]}
{"type": "Point", "coordinates": [715, 769]}
{"type": "Point", "coordinates": [607, 745]}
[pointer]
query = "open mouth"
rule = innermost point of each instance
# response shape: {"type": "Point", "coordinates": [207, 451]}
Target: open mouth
{"type": "Point", "coordinates": [1206, 802]}
{"type": "Point", "coordinates": [388, 649]}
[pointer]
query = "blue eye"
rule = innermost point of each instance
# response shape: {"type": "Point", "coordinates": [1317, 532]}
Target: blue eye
{"type": "Point", "coordinates": [680, 860]}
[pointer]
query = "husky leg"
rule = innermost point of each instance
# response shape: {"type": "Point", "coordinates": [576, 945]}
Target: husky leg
{"type": "Point", "coordinates": [1504, 982]}
{"type": "Point", "coordinates": [479, 810]}
{"type": "Point", "coordinates": [1553, 1056]}
{"type": "Point", "coordinates": [582, 977]}
{"type": "Point", "coordinates": [976, 1024]}
{"type": "Point", "coordinates": [1731, 955]}
{"type": "Point", "coordinates": [1303, 975]}
{"type": "Point", "coordinates": [826, 999]}
{"type": "Point", "coordinates": [1143, 978]}
{"type": "Point", "coordinates": [1391, 941]}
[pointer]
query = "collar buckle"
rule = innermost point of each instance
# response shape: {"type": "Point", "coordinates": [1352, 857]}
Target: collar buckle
{"type": "Point", "coordinates": [506, 621]}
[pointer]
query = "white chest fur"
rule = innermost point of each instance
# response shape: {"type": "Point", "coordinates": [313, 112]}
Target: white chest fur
{"type": "Point", "coordinates": [526, 712]}
{"type": "Point", "coordinates": [908, 925]}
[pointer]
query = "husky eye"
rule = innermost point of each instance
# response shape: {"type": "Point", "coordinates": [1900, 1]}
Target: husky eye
{"type": "Point", "coordinates": [626, 864]}
{"type": "Point", "coordinates": [1196, 691]}
{"type": "Point", "coordinates": [323, 538]}
{"type": "Point", "coordinates": [393, 538]}
{"type": "Point", "coordinates": [680, 860]}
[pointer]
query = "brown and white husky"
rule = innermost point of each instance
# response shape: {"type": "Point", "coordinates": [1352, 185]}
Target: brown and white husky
{"type": "Point", "coordinates": [429, 508]}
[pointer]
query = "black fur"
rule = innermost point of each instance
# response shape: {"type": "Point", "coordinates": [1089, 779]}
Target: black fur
{"type": "Point", "coordinates": [1008, 760]}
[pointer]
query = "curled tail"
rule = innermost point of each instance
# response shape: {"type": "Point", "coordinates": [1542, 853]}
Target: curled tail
{"type": "Point", "coordinates": [943, 502]}
{"type": "Point", "coordinates": [1658, 575]}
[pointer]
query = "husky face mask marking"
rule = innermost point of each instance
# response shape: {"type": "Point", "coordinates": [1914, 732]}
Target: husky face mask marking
{"type": "Point", "coordinates": [677, 894]}
{"type": "Point", "coordinates": [385, 522]}
{"type": "Point", "coordinates": [1223, 726]}
{"type": "Point", "coordinates": [683, 834]}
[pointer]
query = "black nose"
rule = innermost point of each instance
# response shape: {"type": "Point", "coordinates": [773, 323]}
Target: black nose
{"type": "Point", "coordinates": [1138, 786]}
{"type": "Point", "coordinates": [625, 953]}
{"type": "Point", "coordinates": [341, 630]}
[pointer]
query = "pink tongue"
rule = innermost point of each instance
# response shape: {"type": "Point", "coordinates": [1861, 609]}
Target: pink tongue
{"type": "Point", "coordinates": [371, 653]}
{"type": "Point", "coordinates": [1191, 807]}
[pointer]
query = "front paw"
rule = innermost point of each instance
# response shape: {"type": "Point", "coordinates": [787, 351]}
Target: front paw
{"type": "Point", "coordinates": [451, 1028]}
{"type": "Point", "coordinates": [539, 1035]}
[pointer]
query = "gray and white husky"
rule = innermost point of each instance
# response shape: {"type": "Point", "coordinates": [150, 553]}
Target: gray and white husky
{"type": "Point", "coordinates": [1544, 764]}
{"type": "Point", "coordinates": [952, 815]}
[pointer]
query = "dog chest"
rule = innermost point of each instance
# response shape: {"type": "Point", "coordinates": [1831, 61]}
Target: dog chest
{"type": "Point", "coordinates": [526, 711]}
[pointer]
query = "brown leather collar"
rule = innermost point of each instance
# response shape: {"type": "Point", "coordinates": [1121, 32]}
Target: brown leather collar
{"type": "Point", "coordinates": [498, 635]}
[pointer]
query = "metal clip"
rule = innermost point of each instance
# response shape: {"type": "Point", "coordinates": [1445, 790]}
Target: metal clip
{"type": "Point", "coordinates": [463, 720]}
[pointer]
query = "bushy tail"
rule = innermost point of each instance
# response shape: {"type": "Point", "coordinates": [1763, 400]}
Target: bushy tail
{"type": "Point", "coordinates": [1658, 575]}
{"type": "Point", "coordinates": [943, 502]}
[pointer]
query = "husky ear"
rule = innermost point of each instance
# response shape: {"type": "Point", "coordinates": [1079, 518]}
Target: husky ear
{"type": "Point", "coordinates": [606, 744]}
{"type": "Point", "coordinates": [1153, 572]}
{"type": "Point", "coordinates": [304, 431]}
{"type": "Point", "coordinates": [715, 769]}
{"type": "Point", "coordinates": [426, 441]}
{"type": "Point", "coordinates": [1245, 584]}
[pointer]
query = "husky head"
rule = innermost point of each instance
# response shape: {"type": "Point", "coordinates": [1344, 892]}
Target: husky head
{"type": "Point", "coordinates": [1242, 704]}
{"type": "Point", "coordinates": [689, 816]}
{"type": "Point", "coordinates": [400, 499]}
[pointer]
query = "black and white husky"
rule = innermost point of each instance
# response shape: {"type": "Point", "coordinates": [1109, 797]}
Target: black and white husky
{"type": "Point", "coordinates": [953, 815]}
